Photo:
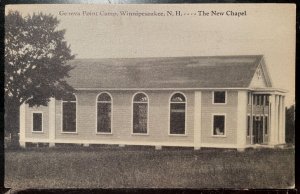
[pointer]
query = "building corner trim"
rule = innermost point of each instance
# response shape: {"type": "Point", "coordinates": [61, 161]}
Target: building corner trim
{"type": "Point", "coordinates": [22, 123]}
{"type": "Point", "coordinates": [241, 130]}
{"type": "Point", "coordinates": [52, 123]}
{"type": "Point", "coordinates": [197, 119]}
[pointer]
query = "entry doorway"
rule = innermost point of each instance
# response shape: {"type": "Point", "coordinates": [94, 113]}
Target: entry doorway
{"type": "Point", "coordinates": [258, 131]}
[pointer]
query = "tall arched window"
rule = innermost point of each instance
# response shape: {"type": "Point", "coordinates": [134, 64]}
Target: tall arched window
{"type": "Point", "coordinates": [177, 113]}
{"type": "Point", "coordinates": [140, 113]}
{"type": "Point", "coordinates": [104, 104]}
{"type": "Point", "coordinates": [69, 114]}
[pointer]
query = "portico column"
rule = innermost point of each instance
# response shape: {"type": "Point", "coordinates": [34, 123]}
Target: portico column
{"type": "Point", "coordinates": [51, 122]}
{"type": "Point", "coordinates": [276, 118]}
{"type": "Point", "coordinates": [251, 121]}
{"type": "Point", "coordinates": [242, 120]}
{"type": "Point", "coordinates": [273, 120]}
{"type": "Point", "coordinates": [197, 121]}
{"type": "Point", "coordinates": [282, 140]}
{"type": "Point", "coordinates": [279, 119]}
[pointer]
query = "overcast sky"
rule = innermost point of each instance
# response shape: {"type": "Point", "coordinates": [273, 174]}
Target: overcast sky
{"type": "Point", "coordinates": [267, 30]}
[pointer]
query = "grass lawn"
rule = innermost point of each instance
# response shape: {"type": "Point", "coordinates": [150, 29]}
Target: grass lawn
{"type": "Point", "coordinates": [110, 167]}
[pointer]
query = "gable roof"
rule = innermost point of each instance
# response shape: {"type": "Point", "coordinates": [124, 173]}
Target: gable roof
{"type": "Point", "coordinates": [169, 72]}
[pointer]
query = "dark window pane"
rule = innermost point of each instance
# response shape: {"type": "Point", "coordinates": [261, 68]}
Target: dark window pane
{"type": "Point", "coordinates": [104, 97]}
{"type": "Point", "coordinates": [219, 97]}
{"type": "Point", "coordinates": [140, 97]}
{"type": "Point", "coordinates": [261, 127]}
{"type": "Point", "coordinates": [219, 125]}
{"type": "Point", "coordinates": [177, 118]}
{"type": "Point", "coordinates": [178, 98]}
{"type": "Point", "coordinates": [248, 125]}
{"type": "Point", "coordinates": [259, 100]}
{"type": "Point", "coordinates": [69, 116]}
{"type": "Point", "coordinates": [267, 100]}
{"type": "Point", "coordinates": [266, 125]}
{"type": "Point", "coordinates": [254, 124]}
{"type": "Point", "coordinates": [140, 111]}
{"type": "Point", "coordinates": [37, 122]}
{"type": "Point", "coordinates": [104, 118]}
{"type": "Point", "coordinates": [70, 97]}
{"type": "Point", "coordinates": [255, 100]}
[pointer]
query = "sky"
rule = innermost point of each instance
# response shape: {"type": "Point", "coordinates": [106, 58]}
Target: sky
{"type": "Point", "coordinates": [264, 29]}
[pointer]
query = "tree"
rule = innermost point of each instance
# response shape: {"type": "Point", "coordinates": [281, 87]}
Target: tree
{"type": "Point", "coordinates": [290, 124]}
{"type": "Point", "coordinates": [36, 56]}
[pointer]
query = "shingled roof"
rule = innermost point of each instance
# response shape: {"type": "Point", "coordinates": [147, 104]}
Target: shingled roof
{"type": "Point", "coordinates": [169, 72]}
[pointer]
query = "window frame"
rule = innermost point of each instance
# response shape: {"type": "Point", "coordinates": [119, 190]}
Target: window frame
{"type": "Point", "coordinates": [212, 124]}
{"type": "Point", "coordinates": [62, 115]}
{"type": "Point", "coordinates": [111, 119]}
{"type": "Point", "coordinates": [185, 114]}
{"type": "Point", "coordinates": [39, 112]}
{"type": "Point", "coordinates": [213, 97]}
{"type": "Point", "coordinates": [148, 113]}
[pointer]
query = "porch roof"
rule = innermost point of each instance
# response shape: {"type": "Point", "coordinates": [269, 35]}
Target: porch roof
{"type": "Point", "coordinates": [169, 72]}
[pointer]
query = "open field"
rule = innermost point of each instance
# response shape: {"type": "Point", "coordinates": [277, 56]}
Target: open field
{"type": "Point", "coordinates": [108, 167]}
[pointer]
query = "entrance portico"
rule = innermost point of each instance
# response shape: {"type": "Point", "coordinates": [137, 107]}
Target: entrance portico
{"type": "Point", "coordinates": [266, 117]}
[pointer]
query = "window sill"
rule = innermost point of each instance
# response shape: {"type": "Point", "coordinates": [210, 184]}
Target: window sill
{"type": "Point", "coordinates": [69, 133]}
{"type": "Point", "coordinates": [178, 135]}
{"type": "Point", "coordinates": [219, 136]}
{"type": "Point", "coordinates": [219, 103]}
{"type": "Point", "coordinates": [39, 132]}
{"type": "Point", "coordinates": [99, 133]}
{"type": "Point", "coordinates": [140, 134]}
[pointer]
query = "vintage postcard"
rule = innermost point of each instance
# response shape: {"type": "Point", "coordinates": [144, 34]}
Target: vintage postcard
{"type": "Point", "coordinates": [149, 96]}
